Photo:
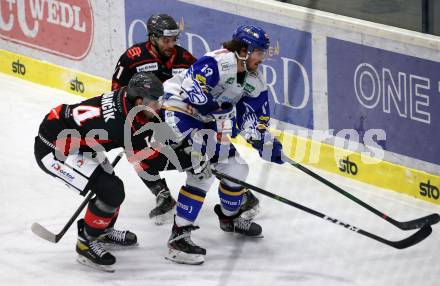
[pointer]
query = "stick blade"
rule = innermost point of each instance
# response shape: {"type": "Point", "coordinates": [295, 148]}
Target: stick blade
{"type": "Point", "coordinates": [415, 238]}
{"type": "Point", "coordinates": [42, 232]}
{"type": "Point", "coordinates": [420, 222]}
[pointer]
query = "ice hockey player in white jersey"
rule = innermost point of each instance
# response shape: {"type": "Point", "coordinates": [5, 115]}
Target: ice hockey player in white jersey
{"type": "Point", "coordinates": [221, 94]}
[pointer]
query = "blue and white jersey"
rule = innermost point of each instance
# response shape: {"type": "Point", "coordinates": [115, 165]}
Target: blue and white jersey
{"type": "Point", "coordinates": [211, 81]}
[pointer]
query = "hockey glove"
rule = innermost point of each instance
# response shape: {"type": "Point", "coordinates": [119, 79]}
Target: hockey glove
{"type": "Point", "coordinates": [201, 170]}
{"type": "Point", "coordinates": [200, 165]}
{"type": "Point", "coordinates": [224, 118]}
{"type": "Point", "coordinates": [269, 148]}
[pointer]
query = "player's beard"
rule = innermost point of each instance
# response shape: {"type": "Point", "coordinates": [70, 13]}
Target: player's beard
{"type": "Point", "coordinates": [252, 67]}
{"type": "Point", "coordinates": [166, 53]}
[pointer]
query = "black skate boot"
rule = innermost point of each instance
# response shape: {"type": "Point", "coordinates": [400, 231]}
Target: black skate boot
{"type": "Point", "coordinates": [164, 210]}
{"type": "Point", "coordinates": [182, 249]}
{"type": "Point", "coordinates": [91, 252]}
{"type": "Point", "coordinates": [117, 239]}
{"type": "Point", "coordinates": [238, 224]}
{"type": "Point", "coordinates": [250, 207]}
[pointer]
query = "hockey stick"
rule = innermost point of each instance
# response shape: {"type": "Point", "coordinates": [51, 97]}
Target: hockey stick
{"type": "Point", "coordinates": [44, 233]}
{"type": "Point", "coordinates": [415, 238]}
{"type": "Point", "coordinates": [404, 225]}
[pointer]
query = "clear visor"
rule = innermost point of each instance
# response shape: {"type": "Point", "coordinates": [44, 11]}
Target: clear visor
{"type": "Point", "coordinates": [168, 40]}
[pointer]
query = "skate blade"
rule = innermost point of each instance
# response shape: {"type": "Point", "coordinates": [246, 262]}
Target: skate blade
{"type": "Point", "coordinates": [241, 235]}
{"type": "Point", "coordinates": [248, 236]}
{"type": "Point", "coordinates": [84, 261]}
{"type": "Point", "coordinates": [113, 246]}
{"type": "Point", "coordinates": [165, 218]}
{"type": "Point", "coordinates": [251, 214]}
{"type": "Point", "coordinates": [256, 236]}
{"type": "Point", "coordinates": [185, 258]}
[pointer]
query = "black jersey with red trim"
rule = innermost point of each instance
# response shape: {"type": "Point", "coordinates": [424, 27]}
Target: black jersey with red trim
{"type": "Point", "coordinates": [101, 120]}
{"type": "Point", "coordinates": [141, 57]}
{"type": "Point", "coordinates": [103, 115]}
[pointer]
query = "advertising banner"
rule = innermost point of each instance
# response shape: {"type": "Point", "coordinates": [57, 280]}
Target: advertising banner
{"type": "Point", "coordinates": [370, 88]}
{"type": "Point", "coordinates": [288, 67]}
{"type": "Point", "coordinates": [61, 28]}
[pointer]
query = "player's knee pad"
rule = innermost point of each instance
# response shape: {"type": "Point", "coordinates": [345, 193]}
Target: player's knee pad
{"type": "Point", "coordinates": [195, 181]}
{"type": "Point", "coordinates": [235, 167]}
{"type": "Point", "coordinates": [109, 189]}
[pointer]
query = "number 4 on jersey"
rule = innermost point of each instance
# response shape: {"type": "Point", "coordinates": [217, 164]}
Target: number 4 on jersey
{"type": "Point", "coordinates": [84, 112]}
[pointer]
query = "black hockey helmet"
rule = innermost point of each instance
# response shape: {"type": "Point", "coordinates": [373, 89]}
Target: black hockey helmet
{"type": "Point", "coordinates": [162, 25]}
{"type": "Point", "coordinates": [146, 86]}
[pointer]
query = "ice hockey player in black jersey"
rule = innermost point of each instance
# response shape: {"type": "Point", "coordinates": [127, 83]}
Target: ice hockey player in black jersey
{"type": "Point", "coordinates": [159, 55]}
{"type": "Point", "coordinates": [163, 57]}
{"type": "Point", "coordinates": [70, 146]}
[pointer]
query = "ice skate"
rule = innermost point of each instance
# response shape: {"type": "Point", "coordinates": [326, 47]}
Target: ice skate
{"type": "Point", "coordinates": [164, 211]}
{"type": "Point", "coordinates": [238, 224]}
{"type": "Point", "coordinates": [118, 239]}
{"type": "Point", "coordinates": [92, 253]}
{"type": "Point", "coordinates": [250, 207]}
{"type": "Point", "coordinates": [182, 249]}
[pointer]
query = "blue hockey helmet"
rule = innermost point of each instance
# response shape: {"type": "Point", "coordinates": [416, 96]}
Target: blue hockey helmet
{"type": "Point", "coordinates": [254, 37]}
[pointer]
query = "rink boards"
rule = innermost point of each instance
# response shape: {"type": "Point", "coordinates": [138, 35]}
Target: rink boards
{"type": "Point", "coordinates": [55, 76]}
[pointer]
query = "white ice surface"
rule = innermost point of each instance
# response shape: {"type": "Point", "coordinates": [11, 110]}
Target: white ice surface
{"type": "Point", "coordinates": [298, 248]}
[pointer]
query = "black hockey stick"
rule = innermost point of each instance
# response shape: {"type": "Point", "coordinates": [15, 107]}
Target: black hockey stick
{"type": "Point", "coordinates": [415, 238]}
{"type": "Point", "coordinates": [44, 233]}
{"type": "Point", "coordinates": [404, 225]}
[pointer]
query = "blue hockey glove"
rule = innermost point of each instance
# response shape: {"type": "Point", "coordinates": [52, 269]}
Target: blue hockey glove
{"type": "Point", "coordinates": [277, 152]}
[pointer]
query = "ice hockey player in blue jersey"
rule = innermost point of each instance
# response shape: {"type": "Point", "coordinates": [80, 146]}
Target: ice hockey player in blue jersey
{"type": "Point", "coordinates": [221, 94]}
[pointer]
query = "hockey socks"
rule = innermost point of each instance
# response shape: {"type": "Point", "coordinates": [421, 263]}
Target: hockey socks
{"type": "Point", "coordinates": [189, 203]}
{"type": "Point", "coordinates": [238, 199]}
{"type": "Point", "coordinates": [98, 218]}
{"type": "Point", "coordinates": [230, 198]}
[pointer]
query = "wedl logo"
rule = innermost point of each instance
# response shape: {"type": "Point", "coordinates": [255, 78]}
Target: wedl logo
{"type": "Point", "coordinates": [61, 28]}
